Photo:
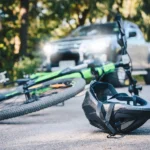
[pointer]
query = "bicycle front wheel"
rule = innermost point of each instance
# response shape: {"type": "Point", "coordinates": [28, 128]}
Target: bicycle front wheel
{"type": "Point", "coordinates": [41, 96]}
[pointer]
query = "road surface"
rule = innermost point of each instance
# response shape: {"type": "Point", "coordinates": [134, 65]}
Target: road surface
{"type": "Point", "coordinates": [66, 128]}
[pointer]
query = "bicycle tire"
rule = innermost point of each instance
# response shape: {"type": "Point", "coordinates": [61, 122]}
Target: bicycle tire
{"type": "Point", "coordinates": [45, 102]}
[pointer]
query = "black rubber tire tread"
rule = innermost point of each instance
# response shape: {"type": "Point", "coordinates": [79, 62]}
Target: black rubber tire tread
{"type": "Point", "coordinates": [46, 101]}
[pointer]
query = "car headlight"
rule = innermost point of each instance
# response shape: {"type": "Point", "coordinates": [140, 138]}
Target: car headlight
{"type": "Point", "coordinates": [50, 49]}
{"type": "Point", "coordinates": [99, 45]}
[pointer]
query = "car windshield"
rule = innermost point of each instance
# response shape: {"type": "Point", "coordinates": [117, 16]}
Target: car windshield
{"type": "Point", "coordinates": [95, 29]}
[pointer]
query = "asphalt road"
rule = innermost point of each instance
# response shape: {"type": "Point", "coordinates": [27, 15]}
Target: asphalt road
{"type": "Point", "coordinates": [66, 128]}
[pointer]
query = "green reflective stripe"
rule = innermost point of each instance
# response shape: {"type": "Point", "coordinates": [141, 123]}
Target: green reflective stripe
{"type": "Point", "coordinates": [109, 68]}
{"type": "Point", "coordinates": [72, 75]}
{"type": "Point", "coordinates": [11, 94]}
{"type": "Point", "coordinates": [38, 74]}
{"type": "Point", "coordinates": [87, 73]}
{"type": "Point", "coordinates": [47, 76]}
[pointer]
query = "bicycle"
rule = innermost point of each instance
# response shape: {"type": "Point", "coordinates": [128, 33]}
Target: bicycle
{"type": "Point", "coordinates": [32, 86]}
{"type": "Point", "coordinates": [58, 86]}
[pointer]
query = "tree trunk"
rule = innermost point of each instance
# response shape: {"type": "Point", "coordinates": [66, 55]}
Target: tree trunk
{"type": "Point", "coordinates": [24, 26]}
{"type": "Point", "coordinates": [83, 18]}
{"type": "Point", "coordinates": [120, 5]}
{"type": "Point", "coordinates": [109, 17]}
{"type": "Point", "coordinates": [148, 34]}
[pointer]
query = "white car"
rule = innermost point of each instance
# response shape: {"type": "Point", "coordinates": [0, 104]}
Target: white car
{"type": "Point", "coordinates": [100, 42]}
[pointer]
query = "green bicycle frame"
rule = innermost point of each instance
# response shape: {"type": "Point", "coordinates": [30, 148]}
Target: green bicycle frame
{"type": "Point", "coordinates": [45, 76]}
{"type": "Point", "coordinates": [84, 73]}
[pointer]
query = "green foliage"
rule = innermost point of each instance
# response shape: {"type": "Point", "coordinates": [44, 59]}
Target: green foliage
{"type": "Point", "coordinates": [52, 19]}
{"type": "Point", "coordinates": [26, 66]}
{"type": "Point", "coordinates": [145, 7]}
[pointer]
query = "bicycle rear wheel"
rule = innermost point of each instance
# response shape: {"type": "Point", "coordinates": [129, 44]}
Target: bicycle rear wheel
{"type": "Point", "coordinates": [41, 96]}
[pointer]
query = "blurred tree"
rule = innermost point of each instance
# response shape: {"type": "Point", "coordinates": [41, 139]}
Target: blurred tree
{"type": "Point", "coordinates": [24, 6]}
{"type": "Point", "coordinates": [146, 6]}
{"type": "Point", "coordinates": [9, 33]}
{"type": "Point", "coordinates": [145, 19]}
{"type": "Point", "coordinates": [138, 12]}
{"type": "Point", "coordinates": [26, 23]}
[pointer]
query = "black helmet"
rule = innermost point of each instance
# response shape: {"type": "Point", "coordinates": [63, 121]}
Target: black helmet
{"type": "Point", "coordinates": [113, 112]}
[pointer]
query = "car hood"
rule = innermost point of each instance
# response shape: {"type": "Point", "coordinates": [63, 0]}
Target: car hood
{"type": "Point", "coordinates": [84, 38]}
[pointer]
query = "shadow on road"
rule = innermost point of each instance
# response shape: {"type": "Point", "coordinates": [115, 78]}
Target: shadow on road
{"type": "Point", "coordinates": [141, 131]}
{"type": "Point", "coordinates": [15, 123]}
{"type": "Point", "coordinates": [118, 136]}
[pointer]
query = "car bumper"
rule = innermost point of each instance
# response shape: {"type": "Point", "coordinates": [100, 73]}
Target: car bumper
{"type": "Point", "coordinates": [56, 58]}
